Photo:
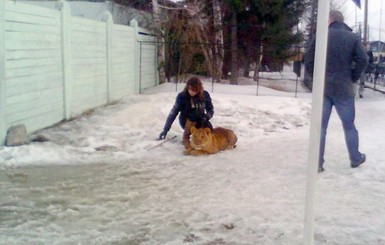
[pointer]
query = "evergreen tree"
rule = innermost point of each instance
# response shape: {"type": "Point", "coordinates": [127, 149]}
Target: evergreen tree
{"type": "Point", "coordinates": [278, 19]}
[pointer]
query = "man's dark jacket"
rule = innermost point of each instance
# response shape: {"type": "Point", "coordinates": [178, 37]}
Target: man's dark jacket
{"type": "Point", "coordinates": [193, 108]}
{"type": "Point", "coordinates": [346, 60]}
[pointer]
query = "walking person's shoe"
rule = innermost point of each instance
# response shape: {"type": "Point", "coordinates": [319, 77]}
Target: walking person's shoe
{"type": "Point", "coordinates": [320, 166]}
{"type": "Point", "coordinates": [355, 165]}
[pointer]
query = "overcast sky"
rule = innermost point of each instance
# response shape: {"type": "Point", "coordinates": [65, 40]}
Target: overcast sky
{"type": "Point", "coordinates": [376, 8]}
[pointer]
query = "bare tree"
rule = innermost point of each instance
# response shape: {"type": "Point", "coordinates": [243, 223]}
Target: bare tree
{"type": "Point", "coordinates": [219, 51]}
{"type": "Point", "coordinates": [199, 25]}
{"type": "Point", "coordinates": [206, 19]}
{"type": "Point", "coordinates": [234, 49]}
{"type": "Point", "coordinates": [160, 47]}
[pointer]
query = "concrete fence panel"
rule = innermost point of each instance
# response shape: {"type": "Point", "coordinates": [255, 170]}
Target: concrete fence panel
{"type": "Point", "coordinates": [54, 66]}
{"type": "Point", "coordinates": [148, 59]}
{"type": "Point", "coordinates": [33, 66]}
{"type": "Point", "coordinates": [124, 67]}
{"type": "Point", "coordinates": [89, 64]}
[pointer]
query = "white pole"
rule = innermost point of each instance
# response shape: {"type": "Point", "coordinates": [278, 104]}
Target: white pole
{"type": "Point", "coordinates": [366, 22]}
{"type": "Point", "coordinates": [316, 116]}
{"type": "Point", "coordinates": [66, 32]}
{"type": "Point", "coordinates": [134, 24]}
{"type": "Point", "coordinates": [379, 35]}
{"type": "Point", "coordinates": [2, 74]}
{"type": "Point", "coordinates": [109, 22]}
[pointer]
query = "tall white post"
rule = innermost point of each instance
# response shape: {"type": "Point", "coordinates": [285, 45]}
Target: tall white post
{"type": "Point", "coordinates": [64, 7]}
{"type": "Point", "coordinates": [380, 30]}
{"type": "Point", "coordinates": [2, 74]}
{"type": "Point", "coordinates": [109, 22]}
{"type": "Point", "coordinates": [316, 117]}
{"type": "Point", "coordinates": [366, 22]}
{"type": "Point", "coordinates": [134, 24]}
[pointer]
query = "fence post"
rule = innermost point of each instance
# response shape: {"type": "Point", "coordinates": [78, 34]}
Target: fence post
{"type": "Point", "coordinates": [64, 7]}
{"type": "Point", "coordinates": [134, 24]}
{"type": "Point", "coordinates": [2, 74]}
{"type": "Point", "coordinates": [109, 22]}
{"type": "Point", "coordinates": [157, 66]}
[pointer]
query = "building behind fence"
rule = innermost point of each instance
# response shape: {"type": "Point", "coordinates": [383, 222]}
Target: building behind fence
{"type": "Point", "coordinates": [54, 66]}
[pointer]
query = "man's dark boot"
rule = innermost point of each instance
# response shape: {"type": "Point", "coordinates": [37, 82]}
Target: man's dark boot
{"type": "Point", "coordinates": [355, 165]}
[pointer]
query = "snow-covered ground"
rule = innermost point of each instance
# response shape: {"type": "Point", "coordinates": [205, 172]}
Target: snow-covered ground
{"type": "Point", "coordinates": [97, 182]}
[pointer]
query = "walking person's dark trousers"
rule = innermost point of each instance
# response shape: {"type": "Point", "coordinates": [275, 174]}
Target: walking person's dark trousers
{"type": "Point", "coordinates": [346, 111]}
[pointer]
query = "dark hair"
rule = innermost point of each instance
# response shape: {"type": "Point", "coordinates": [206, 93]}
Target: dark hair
{"type": "Point", "coordinates": [195, 84]}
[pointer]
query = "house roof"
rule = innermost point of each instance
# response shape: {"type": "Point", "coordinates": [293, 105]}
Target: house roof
{"type": "Point", "coordinates": [377, 46]}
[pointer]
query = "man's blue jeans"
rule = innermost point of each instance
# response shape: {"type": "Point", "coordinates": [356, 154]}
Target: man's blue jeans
{"type": "Point", "coordinates": [346, 111]}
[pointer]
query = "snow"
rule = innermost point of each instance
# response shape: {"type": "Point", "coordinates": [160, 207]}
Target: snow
{"type": "Point", "coordinates": [96, 181]}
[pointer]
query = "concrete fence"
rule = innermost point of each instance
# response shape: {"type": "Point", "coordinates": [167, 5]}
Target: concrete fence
{"type": "Point", "coordinates": [55, 66]}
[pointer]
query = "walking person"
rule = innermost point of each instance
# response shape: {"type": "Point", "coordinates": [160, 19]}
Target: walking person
{"type": "Point", "coordinates": [367, 73]}
{"type": "Point", "coordinates": [194, 107]}
{"type": "Point", "coordinates": [346, 60]}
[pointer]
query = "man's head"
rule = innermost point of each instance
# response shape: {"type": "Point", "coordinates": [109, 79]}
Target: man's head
{"type": "Point", "coordinates": [335, 15]}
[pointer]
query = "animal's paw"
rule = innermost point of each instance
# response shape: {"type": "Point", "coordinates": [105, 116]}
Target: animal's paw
{"type": "Point", "coordinates": [198, 153]}
{"type": "Point", "coordinates": [186, 152]}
